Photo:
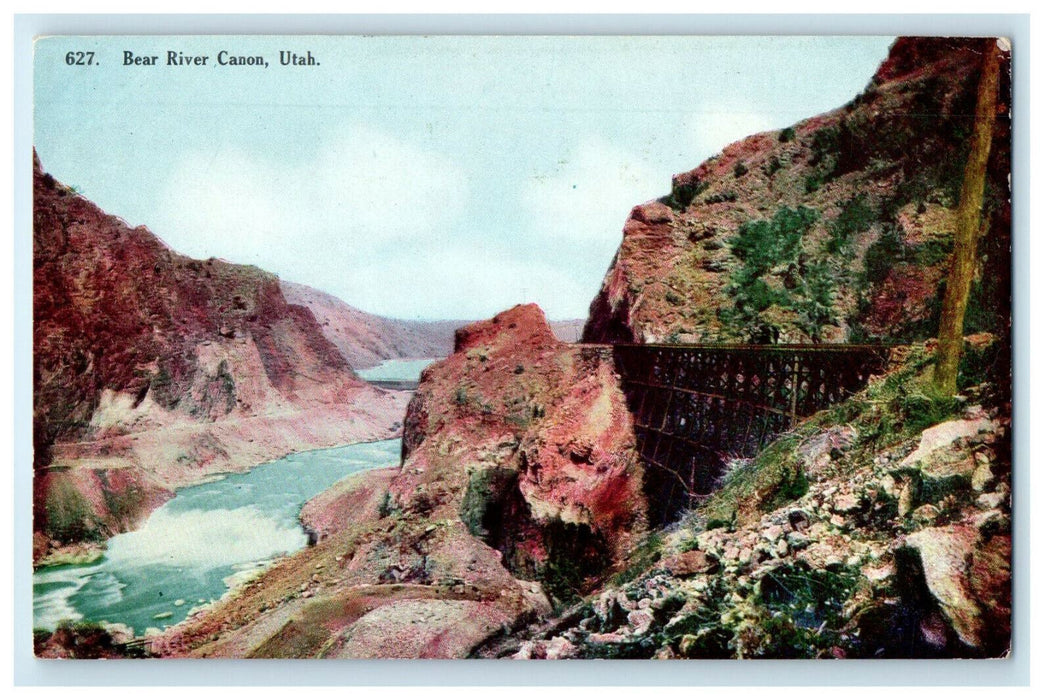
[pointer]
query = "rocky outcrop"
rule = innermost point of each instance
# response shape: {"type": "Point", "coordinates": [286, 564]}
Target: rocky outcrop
{"type": "Point", "coordinates": [152, 370]}
{"type": "Point", "coordinates": [548, 439]}
{"type": "Point", "coordinates": [518, 489]}
{"type": "Point", "coordinates": [827, 545]}
{"type": "Point", "coordinates": [836, 228]}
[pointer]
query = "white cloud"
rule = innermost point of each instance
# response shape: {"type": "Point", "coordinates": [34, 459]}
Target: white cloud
{"type": "Point", "coordinates": [381, 223]}
{"type": "Point", "coordinates": [361, 189]}
{"type": "Point", "coordinates": [470, 277]}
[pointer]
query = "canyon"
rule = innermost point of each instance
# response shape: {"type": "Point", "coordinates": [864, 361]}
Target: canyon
{"type": "Point", "coordinates": [515, 525]}
{"type": "Point", "coordinates": [152, 371]}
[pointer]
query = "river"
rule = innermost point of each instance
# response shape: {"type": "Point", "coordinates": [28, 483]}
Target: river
{"type": "Point", "coordinates": [190, 550]}
{"type": "Point", "coordinates": [398, 373]}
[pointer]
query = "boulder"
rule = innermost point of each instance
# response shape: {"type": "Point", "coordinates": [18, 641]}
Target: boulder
{"type": "Point", "coordinates": [943, 435]}
{"type": "Point", "coordinates": [692, 562]}
{"type": "Point", "coordinates": [946, 474]}
{"type": "Point", "coordinates": [990, 579]}
{"type": "Point", "coordinates": [848, 502]}
{"type": "Point", "coordinates": [944, 554]}
{"type": "Point", "coordinates": [925, 514]}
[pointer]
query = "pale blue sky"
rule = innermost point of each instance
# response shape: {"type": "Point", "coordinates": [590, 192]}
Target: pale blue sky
{"type": "Point", "coordinates": [442, 177]}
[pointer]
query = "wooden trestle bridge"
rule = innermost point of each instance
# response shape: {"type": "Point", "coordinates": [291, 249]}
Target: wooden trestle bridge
{"type": "Point", "coordinates": [695, 406]}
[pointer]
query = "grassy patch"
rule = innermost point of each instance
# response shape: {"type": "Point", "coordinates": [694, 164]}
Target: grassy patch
{"type": "Point", "coordinates": [642, 558]}
{"type": "Point", "coordinates": [896, 407]}
{"type": "Point", "coordinates": [775, 477]}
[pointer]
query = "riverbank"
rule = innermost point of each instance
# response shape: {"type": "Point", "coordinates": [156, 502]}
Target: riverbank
{"type": "Point", "coordinates": [99, 488]}
{"type": "Point", "coordinates": [157, 574]}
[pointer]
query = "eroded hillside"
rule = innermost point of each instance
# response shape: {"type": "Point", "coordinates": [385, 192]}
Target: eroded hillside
{"type": "Point", "coordinates": [152, 370]}
{"type": "Point", "coordinates": [364, 339]}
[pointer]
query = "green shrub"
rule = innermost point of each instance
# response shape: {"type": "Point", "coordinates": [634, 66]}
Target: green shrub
{"type": "Point", "coordinates": [813, 182]}
{"type": "Point", "coordinates": [854, 217]}
{"type": "Point", "coordinates": [921, 410]}
{"type": "Point", "coordinates": [740, 169]}
{"type": "Point", "coordinates": [825, 145]}
{"type": "Point", "coordinates": [673, 298]}
{"type": "Point", "coordinates": [814, 299]}
{"type": "Point", "coordinates": [787, 134]}
{"type": "Point", "coordinates": [682, 195]}
{"type": "Point", "coordinates": [389, 506]}
{"type": "Point", "coordinates": [882, 256]}
{"type": "Point", "coordinates": [929, 252]}
{"type": "Point", "coordinates": [763, 244]}
{"type": "Point", "coordinates": [718, 197]}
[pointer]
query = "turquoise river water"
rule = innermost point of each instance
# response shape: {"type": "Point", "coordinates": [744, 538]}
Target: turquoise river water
{"type": "Point", "coordinates": [399, 370]}
{"type": "Point", "coordinates": [191, 549]}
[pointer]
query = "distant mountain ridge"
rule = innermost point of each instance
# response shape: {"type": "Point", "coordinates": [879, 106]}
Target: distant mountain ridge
{"type": "Point", "coordinates": [365, 339]}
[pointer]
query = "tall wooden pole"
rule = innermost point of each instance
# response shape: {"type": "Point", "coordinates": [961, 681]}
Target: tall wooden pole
{"type": "Point", "coordinates": [969, 215]}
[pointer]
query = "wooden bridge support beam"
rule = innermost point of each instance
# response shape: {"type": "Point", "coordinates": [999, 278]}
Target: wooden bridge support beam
{"type": "Point", "coordinates": [696, 407]}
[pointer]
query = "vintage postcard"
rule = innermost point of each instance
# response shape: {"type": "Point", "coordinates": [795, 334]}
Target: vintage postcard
{"type": "Point", "coordinates": [522, 347]}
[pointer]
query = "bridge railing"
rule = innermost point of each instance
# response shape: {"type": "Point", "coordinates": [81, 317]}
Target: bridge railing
{"type": "Point", "coordinates": [695, 406]}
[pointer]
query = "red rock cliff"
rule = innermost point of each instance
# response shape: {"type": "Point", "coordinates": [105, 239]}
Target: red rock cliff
{"type": "Point", "coordinates": [172, 367]}
{"type": "Point", "coordinates": [532, 443]}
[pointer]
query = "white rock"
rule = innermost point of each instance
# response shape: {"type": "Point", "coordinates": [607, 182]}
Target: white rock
{"type": "Point", "coordinates": [990, 501]}
{"type": "Point", "coordinates": [945, 434]}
